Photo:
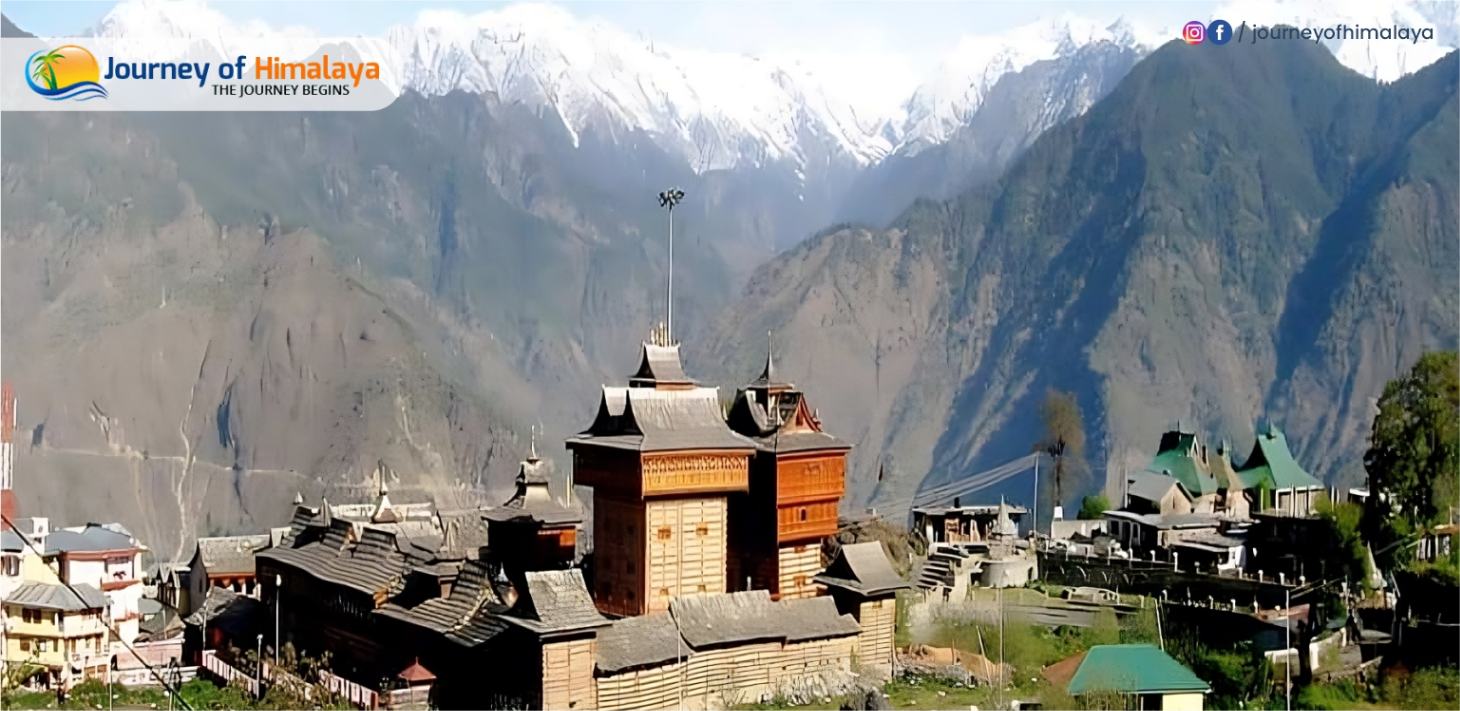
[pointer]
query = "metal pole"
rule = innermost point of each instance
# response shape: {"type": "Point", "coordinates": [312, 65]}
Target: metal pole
{"type": "Point", "coordinates": [669, 283]}
{"type": "Point", "coordinates": [258, 670]}
{"type": "Point", "coordinates": [1288, 631]}
{"type": "Point", "coordinates": [278, 602]}
{"type": "Point", "coordinates": [1036, 492]}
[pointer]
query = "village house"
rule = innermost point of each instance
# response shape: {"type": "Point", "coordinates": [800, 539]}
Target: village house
{"type": "Point", "coordinates": [1136, 676]}
{"type": "Point", "coordinates": [966, 524]}
{"type": "Point", "coordinates": [57, 630]}
{"type": "Point", "coordinates": [221, 562]}
{"type": "Point", "coordinates": [107, 557]}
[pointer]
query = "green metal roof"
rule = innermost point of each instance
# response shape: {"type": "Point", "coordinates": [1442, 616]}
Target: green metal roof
{"type": "Point", "coordinates": [1133, 669]}
{"type": "Point", "coordinates": [1283, 472]}
{"type": "Point", "coordinates": [1179, 464]}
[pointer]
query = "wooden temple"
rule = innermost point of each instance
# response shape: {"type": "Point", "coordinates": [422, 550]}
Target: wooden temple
{"type": "Point", "coordinates": [663, 466]}
{"type": "Point", "coordinates": [797, 478]}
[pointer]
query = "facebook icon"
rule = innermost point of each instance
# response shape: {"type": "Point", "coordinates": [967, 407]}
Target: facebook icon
{"type": "Point", "coordinates": [1219, 32]}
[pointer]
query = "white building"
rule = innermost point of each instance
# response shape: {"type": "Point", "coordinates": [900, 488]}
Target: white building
{"type": "Point", "coordinates": [108, 557]}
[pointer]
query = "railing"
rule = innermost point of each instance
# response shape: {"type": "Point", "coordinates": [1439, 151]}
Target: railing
{"type": "Point", "coordinates": [357, 694]}
{"type": "Point", "coordinates": [146, 677]}
{"type": "Point", "coordinates": [226, 673]}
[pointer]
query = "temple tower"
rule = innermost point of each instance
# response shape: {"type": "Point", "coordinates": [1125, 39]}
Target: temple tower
{"type": "Point", "coordinates": [662, 464]}
{"type": "Point", "coordinates": [797, 478]}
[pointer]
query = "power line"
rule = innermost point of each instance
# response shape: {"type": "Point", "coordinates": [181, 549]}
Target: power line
{"type": "Point", "coordinates": [115, 633]}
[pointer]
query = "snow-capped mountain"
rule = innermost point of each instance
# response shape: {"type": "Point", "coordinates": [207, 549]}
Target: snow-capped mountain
{"type": "Point", "coordinates": [948, 100]}
{"type": "Point", "coordinates": [722, 110]}
{"type": "Point", "coordinates": [717, 110]}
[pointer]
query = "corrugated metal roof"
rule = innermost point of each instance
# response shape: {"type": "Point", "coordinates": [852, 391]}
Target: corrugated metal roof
{"type": "Point", "coordinates": [1133, 669]}
{"type": "Point", "coordinates": [1152, 486]}
{"type": "Point", "coordinates": [93, 537]}
{"type": "Point", "coordinates": [1283, 472]}
{"type": "Point", "coordinates": [862, 568]}
{"type": "Point", "coordinates": [54, 596]}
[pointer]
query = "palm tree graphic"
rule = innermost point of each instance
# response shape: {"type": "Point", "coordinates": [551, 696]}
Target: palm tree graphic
{"type": "Point", "coordinates": [45, 68]}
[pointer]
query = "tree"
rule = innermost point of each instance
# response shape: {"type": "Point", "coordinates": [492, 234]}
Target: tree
{"type": "Point", "coordinates": [1093, 507]}
{"type": "Point", "coordinates": [1414, 451]}
{"type": "Point", "coordinates": [1064, 438]}
{"type": "Point", "coordinates": [1342, 544]}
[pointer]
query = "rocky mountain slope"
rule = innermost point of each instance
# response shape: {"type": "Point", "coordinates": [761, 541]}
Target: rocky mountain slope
{"type": "Point", "coordinates": [1228, 237]}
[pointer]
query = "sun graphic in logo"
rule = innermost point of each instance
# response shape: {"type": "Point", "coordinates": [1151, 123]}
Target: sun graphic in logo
{"type": "Point", "coordinates": [66, 72]}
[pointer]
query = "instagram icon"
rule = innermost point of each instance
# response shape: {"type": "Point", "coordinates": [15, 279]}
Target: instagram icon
{"type": "Point", "coordinates": [1194, 32]}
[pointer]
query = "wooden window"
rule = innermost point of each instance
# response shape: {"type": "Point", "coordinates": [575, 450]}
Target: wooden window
{"type": "Point", "coordinates": [24, 645]}
{"type": "Point", "coordinates": [803, 513]}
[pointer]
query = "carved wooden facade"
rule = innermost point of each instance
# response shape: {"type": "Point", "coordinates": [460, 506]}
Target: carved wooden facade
{"type": "Point", "coordinates": [659, 524]}
{"type": "Point", "coordinates": [792, 506]}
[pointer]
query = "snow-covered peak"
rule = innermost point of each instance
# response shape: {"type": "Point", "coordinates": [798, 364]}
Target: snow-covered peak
{"type": "Point", "coordinates": [1380, 59]}
{"type": "Point", "coordinates": [957, 88]}
{"type": "Point", "coordinates": [716, 109]}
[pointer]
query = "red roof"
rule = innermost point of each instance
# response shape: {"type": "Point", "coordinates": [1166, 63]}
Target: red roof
{"type": "Point", "coordinates": [415, 673]}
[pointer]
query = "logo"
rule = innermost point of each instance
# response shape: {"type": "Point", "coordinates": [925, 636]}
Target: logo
{"type": "Point", "coordinates": [1194, 32]}
{"type": "Point", "coordinates": [66, 72]}
{"type": "Point", "coordinates": [1219, 32]}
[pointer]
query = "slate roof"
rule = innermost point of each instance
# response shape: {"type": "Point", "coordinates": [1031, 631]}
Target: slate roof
{"type": "Point", "coordinates": [463, 533]}
{"type": "Point", "coordinates": [1272, 463]}
{"type": "Point", "coordinates": [707, 621]}
{"type": "Point", "coordinates": [469, 616]}
{"type": "Point", "coordinates": [54, 596]}
{"type": "Point", "coordinates": [659, 365]}
{"type": "Point", "coordinates": [1133, 669]}
{"type": "Point", "coordinates": [93, 537]}
{"type": "Point", "coordinates": [533, 499]}
{"type": "Point", "coordinates": [862, 568]}
{"type": "Point", "coordinates": [652, 420]}
{"type": "Point", "coordinates": [376, 563]}
{"type": "Point", "coordinates": [748, 416]}
{"type": "Point", "coordinates": [234, 555]}
{"type": "Point", "coordinates": [642, 641]}
{"type": "Point", "coordinates": [238, 615]}
{"type": "Point", "coordinates": [555, 601]}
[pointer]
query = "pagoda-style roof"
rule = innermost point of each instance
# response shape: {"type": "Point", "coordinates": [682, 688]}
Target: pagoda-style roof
{"type": "Point", "coordinates": [660, 420]}
{"type": "Point", "coordinates": [862, 568]}
{"type": "Point", "coordinates": [1182, 456]}
{"type": "Point", "coordinates": [780, 422]}
{"type": "Point", "coordinates": [1271, 464]}
{"type": "Point", "coordinates": [660, 367]}
{"type": "Point", "coordinates": [533, 501]}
